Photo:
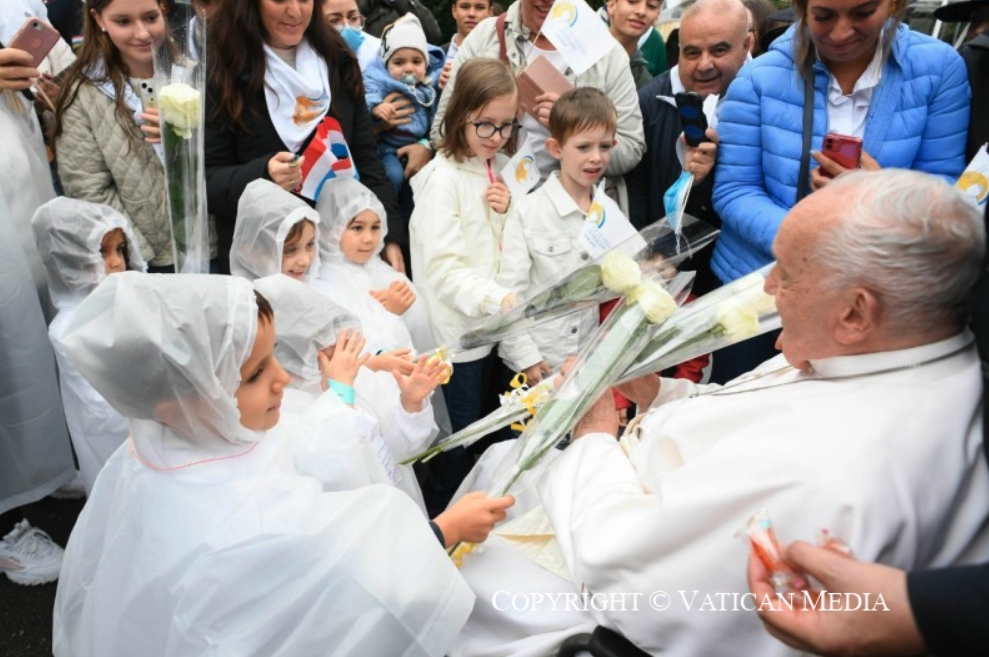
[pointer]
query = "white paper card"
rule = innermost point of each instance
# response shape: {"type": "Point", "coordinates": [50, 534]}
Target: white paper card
{"type": "Point", "coordinates": [521, 173]}
{"type": "Point", "coordinates": [579, 34]}
{"type": "Point", "coordinates": [607, 227]}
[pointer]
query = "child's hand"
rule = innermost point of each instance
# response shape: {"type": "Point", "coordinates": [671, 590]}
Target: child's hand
{"type": "Point", "coordinates": [389, 361]}
{"type": "Point", "coordinates": [472, 517]}
{"type": "Point", "coordinates": [498, 196]}
{"type": "Point", "coordinates": [151, 127]}
{"type": "Point", "coordinates": [397, 298]}
{"type": "Point", "coordinates": [423, 380]}
{"type": "Point", "coordinates": [508, 300]}
{"type": "Point", "coordinates": [445, 75]}
{"type": "Point", "coordinates": [535, 374]}
{"type": "Point", "coordinates": [346, 360]}
{"type": "Point", "coordinates": [384, 112]}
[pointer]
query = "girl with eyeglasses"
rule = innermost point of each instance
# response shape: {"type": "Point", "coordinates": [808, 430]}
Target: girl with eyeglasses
{"type": "Point", "coordinates": [455, 238]}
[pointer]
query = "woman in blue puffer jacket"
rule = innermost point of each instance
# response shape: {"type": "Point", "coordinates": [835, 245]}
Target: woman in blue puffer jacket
{"type": "Point", "coordinates": [905, 94]}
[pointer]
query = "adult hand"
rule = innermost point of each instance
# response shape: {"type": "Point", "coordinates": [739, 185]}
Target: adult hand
{"type": "Point", "coordinates": [818, 179]}
{"type": "Point", "coordinates": [417, 156]}
{"type": "Point", "coordinates": [498, 197]}
{"type": "Point", "coordinates": [445, 75]}
{"type": "Point", "coordinates": [285, 170]}
{"type": "Point", "coordinates": [838, 632]}
{"type": "Point", "coordinates": [600, 418]}
{"type": "Point", "coordinates": [392, 254]}
{"type": "Point", "coordinates": [642, 391]}
{"type": "Point", "coordinates": [699, 160]}
{"type": "Point", "coordinates": [16, 72]}
{"type": "Point", "coordinates": [472, 517]}
{"type": "Point", "coordinates": [535, 374]}
{"type": "Point", "coordinates": [396, 298]}
{"type": "Point", "coordinates": [394, 110]}
{"type": "Point", "coordinates": [544, 105]}
{"type": "Point", "coordinates": [151, 127]}
{"type": "Point", "coordinates": [347, 358]}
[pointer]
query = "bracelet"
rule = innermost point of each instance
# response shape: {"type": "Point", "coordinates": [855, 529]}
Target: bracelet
{"type": "Point", "coordinates": [342, 390]}
{"type": "Point", "coordinates": [425, 142]}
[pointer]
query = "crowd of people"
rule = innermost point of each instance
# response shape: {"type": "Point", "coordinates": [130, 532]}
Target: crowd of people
{"type": "Point", "coordinates": [360, 223]}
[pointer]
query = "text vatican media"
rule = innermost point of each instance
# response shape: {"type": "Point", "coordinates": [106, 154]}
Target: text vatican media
{"type": "Point", "coordinates": [688, 600]}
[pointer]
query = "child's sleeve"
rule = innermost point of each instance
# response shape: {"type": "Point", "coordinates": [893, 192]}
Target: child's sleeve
{"type": "Point", "coordinates": [514, 273]}
{"type": "Point", "coordinates": [447, 267]}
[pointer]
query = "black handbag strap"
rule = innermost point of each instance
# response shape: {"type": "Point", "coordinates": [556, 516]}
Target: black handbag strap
{"type": "Point", "coordinates": [803, 183]}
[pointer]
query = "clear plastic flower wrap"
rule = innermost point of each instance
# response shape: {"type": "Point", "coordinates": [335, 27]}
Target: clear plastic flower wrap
{"type": "Point", "coordinates": [584, 288]}
{"type": "Point", "coordinates": [730, 314]}
{"type": "Point", "coordinates": [516, 405]}
{"type": "Point", "coordinates": [647, 301]}
{"type": "Point", "coordinates": [180, 72]}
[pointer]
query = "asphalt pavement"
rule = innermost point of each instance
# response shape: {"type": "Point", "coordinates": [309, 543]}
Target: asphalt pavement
{"type": "Point", "coordinates": [26, 611]}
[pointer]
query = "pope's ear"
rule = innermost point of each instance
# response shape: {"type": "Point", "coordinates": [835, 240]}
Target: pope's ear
{"type": "Point", "coordinates": [860, 318]}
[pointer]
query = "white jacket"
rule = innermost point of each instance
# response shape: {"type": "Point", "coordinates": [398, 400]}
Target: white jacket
{"type": "Point", "coordinates": [611, 75]}
{"type": "Point", "coordinates": [455, 238]}
{"type": "Point", "coordinates": [542, 239]}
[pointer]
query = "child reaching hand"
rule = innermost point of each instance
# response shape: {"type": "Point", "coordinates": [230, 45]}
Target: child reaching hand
{"type": "Point", "coordinates": [456, 238]}
{"type": "Point", "coordinates": [226, 544]}
{"type": "Point", "coordinates": [406, 64]}
{"type": "Point", "coordinates": [82, 243]}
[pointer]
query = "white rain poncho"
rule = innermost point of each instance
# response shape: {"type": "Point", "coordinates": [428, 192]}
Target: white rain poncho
{"type": "Point", "coordinates": [68, 233]}
{"type": "Point", "coordinates": [265, 215]}
{"type": "Point", "coordinates": [236, 552]}
{"type": "Point", "coordinates": [349, 284]}
{"type": "Point", "coordinates": [308, 323]}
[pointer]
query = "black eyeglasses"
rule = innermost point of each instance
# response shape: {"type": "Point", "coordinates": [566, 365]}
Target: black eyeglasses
{"type": "Point", "coordinates": [486, 129]}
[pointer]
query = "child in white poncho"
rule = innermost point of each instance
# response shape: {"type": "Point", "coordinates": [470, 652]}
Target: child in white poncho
{"type": "Point", "coordinates": [82, 243]}
{"type": "Point", "coordinates": [198, 535]}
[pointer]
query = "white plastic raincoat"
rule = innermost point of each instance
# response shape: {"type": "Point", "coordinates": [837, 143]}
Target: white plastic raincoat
{"type": "Point", "coordinates": [265, 215]}
{"type": "Point", "coordinates": [68, 233]}
{"type": "Point", "coordinates": [229, 551]}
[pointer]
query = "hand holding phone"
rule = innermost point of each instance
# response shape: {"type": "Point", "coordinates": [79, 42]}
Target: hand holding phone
{"type": "Point", "coordinates": [843, 150]}
{"type": "Point", "coordinates": [690, 107]}
{"type": "Point", "coordinates": [37, 38]}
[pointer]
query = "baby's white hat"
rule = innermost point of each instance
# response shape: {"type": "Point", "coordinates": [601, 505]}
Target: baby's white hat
{"type": "Point", "coordinates": [406, 32]}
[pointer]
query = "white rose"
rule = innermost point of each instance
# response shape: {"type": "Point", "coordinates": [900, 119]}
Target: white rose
{"type": "Point", "coordinates": [655, 301]}
{"type": "Point", "coordinates": [620, 273]}
{"type": "Point", "coordinates": [181, 108]}
{"type": "Point", "coordinates": [738, 320]}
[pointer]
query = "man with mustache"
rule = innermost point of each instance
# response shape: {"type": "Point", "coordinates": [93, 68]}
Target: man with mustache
{"type": "Point", "coordinates": [714, 44]}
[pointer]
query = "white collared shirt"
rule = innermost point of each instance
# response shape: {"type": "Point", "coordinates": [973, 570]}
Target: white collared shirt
{"type": "Point", "coordinates": [847, 114]}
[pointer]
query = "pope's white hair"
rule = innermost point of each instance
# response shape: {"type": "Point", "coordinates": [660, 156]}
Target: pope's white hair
{"type": "Point", "coordinates": [912, 240]}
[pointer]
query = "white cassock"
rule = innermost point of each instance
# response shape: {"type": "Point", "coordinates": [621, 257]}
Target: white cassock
{"type": "Point", "coordinates": [890, 462]}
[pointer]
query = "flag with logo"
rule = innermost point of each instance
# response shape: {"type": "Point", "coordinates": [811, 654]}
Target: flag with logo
{"type": "Point", "coordinates": [606, 227]}
{"type": "Point", "coordinates": [521, 173]}
{"type": "Point", "coordinates": [579, 34]}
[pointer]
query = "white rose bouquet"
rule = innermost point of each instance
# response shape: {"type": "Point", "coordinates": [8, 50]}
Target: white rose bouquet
{"type": "Point", "coordinates": [180, 71]}
{"type": "Point", "coordinates": [585, 286]}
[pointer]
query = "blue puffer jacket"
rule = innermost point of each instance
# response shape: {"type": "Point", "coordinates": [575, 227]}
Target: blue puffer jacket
{"type": "Point", "coordinates": [918, 120]}
{"type": "Point", "coordinates": [425, 97]}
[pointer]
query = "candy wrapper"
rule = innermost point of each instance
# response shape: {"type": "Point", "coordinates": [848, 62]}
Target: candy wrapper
{"type": "Point", "coordinates": [762, 539]}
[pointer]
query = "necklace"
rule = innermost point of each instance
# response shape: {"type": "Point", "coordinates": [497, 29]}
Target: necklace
{"type": "Point", "coordinates": [726, 389]}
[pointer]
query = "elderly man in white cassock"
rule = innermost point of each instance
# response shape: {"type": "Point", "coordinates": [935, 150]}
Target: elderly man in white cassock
{"type": "Point", "coordinates": [868, 424]}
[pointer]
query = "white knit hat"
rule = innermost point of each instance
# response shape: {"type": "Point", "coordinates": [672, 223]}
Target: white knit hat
{"type": "Point", "coordinates": [406, 32]}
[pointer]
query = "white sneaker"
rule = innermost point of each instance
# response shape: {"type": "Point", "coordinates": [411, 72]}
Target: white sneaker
{"type": "Point", "coordinates": [73, 489]}
{"type": "Point", "coordinates": [29, 556]}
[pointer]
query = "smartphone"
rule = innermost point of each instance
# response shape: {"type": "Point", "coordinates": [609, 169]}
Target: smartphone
{"type": "Point", "coordinates": [146, 89]}
{"type": "Point", "coordinates": [690, 107]}
{"type": "Point", "coordinates": [37, 38]}
{"type": "Point", "coordinates": [845, 150]}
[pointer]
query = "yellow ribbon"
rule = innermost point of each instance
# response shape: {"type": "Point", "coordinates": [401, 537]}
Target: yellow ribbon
{"type": "Point", "coordinates": [460, 552]}
{"type": "Point", "coordinates": [518, 383]}
{"type": "Point", "coordinates": [441, 354]}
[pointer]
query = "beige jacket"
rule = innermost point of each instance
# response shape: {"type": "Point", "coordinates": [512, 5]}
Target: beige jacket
{"type": "Point", "coordinates": [611, 75]}
{"type": "Point", "coordinates": [98, 163]}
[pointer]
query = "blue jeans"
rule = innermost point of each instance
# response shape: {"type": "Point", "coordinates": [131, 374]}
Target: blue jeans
{"type": "Point", "coordinates": [464, 399]}
{"type": "Point", "coordinates": [394, 168]}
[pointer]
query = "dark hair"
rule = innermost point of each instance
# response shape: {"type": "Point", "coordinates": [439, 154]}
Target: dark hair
{"type": "Point", "coordinates": [97, 46]}
{"type": "Point", "coordinates": [579, 109]}
{"type": "Point", "coordinates": [295, 232]}
{"type": "Point", "coordinates": [238, 35]}
{"type": "Point", "coordinates": [479, 81]}
{"type": "Point", "coordinates": [265, 312]}
{"type": "Point", "coordinates": [803, 47]}
{"type": "Point", "coordinates": [126, 245]}
{"type": "Point", "coordinates": [761, 10]}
